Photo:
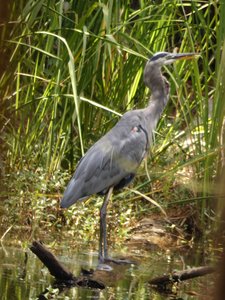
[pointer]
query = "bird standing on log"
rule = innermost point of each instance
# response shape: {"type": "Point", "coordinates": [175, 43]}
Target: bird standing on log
{"type": "Point", "coordinates": [112, 162]}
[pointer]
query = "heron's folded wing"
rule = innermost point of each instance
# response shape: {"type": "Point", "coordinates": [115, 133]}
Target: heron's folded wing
{"type": "Point", "coordinates": [106, 163]}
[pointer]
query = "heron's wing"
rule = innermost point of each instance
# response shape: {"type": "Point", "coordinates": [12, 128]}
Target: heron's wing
{"type": "Point", "coordinates": [115, 156]}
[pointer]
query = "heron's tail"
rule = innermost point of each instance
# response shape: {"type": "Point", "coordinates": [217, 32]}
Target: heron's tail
{"type": "Point", "coordinates": [72, 194]}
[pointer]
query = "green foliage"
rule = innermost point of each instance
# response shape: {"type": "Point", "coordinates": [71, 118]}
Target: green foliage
{"type": "Point", "coordinates": [76, 65]}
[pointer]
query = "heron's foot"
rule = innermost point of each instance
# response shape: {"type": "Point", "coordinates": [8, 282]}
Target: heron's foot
{"type": "Point", "coordinates": [118, 261]}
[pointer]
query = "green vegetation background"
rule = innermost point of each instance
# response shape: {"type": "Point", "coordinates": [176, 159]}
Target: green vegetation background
{"type": "Point", "coordinates": [69, 69]}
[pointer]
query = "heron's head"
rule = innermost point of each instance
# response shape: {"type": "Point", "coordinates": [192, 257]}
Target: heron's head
{"type": "Point", "coordinates": [166, 58]}
{"type": "Point", "coordinates": [152, 71]}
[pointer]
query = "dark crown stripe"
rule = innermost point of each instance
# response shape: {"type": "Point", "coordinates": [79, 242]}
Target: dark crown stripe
{"type": "Point", "coordinates": [158, 55]}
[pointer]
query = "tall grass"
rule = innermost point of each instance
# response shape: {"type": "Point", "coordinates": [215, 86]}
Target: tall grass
{"type": "Point", "coordinates": [77, 65]}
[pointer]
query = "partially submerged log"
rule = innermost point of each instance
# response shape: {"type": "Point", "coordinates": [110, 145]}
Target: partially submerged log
{"type": "Point", "coordinates": [61, 274]}
{"type": "Point", "coordinates": [55, 268]}
{"type": "Point", "coordinates": [95, 279]}
{"type": "Point", "coordinates": [181, 275]}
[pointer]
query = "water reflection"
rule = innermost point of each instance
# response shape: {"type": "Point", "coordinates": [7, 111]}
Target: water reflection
{"type": "Point", "coordinates": [22, 275]}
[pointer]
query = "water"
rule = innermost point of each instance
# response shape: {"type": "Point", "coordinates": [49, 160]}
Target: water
{"type": "Point", "coordinates": [23, 276]}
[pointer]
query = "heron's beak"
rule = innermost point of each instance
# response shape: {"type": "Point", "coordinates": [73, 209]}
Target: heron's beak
{"type": "Point", "coordinates": [178, 56]}
{"type": "Point", "coordinates": [172, 57]}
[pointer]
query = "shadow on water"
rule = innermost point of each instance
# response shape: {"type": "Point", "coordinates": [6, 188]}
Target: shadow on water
{"type": "Point", "coordinates": [23, 276]}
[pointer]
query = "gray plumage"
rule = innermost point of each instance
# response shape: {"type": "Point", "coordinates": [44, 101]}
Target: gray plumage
{"type": "Point", "coordinates": [112, 162]}
{"type": "Point", "coordinates": [114, 157]}
{"type": "Point", "coordinates": [118, 154]}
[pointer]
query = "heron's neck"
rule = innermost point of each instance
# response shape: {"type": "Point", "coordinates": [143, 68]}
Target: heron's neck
{"type": "Point", "coordinates": [155, 81]}
{"type": "Point", "coordinates": [159, 87]}
{"type": "Point", "coordinates": [153, 113]}
{"type": "Point", "coordinates": [159, 96]}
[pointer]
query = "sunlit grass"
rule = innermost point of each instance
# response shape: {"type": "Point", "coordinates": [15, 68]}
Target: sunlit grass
{"type": "Point", "coordinates": [77, 66]}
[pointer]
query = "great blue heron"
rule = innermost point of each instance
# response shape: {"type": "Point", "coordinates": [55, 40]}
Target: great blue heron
{"type": "Point", "coordinates": [112, 162]}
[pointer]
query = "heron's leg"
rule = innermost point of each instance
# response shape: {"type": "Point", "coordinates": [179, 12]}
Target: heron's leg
{"type": "Point", "coordinates": [103, 249]}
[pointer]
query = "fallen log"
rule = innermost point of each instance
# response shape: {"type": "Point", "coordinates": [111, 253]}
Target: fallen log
{"type": "Point", "coordinates": [91, 279]}
{"type": "Point", "coordinates": [61, 274]}
{"type": "Point", "coordinates": [181, 275]}
{"type": "Point", "coordinates": [55, 268]}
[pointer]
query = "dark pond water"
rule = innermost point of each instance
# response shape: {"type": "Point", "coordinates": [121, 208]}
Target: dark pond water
{"type": "Point", "coordinates": [23, 276]}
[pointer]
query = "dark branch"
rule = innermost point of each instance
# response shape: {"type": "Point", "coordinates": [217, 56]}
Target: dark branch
{"type": "Point", "coordinates": [60, 273]}
{"type": "Point", "coordinates": [182, 275]}
{"type": "Point", "coordinates": [55, 268]}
